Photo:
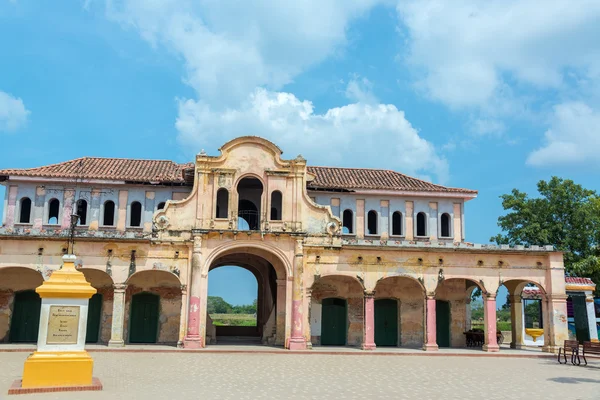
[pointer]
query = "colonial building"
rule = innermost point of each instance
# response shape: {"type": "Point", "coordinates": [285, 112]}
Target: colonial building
{"type": "Point", "coordinates": [342, 256]}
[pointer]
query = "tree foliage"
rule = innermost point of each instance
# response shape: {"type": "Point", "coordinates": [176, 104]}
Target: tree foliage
{"type": "Point", "coordinates": [565, 215]}
{"type": "Point", "coordinates": [216, 305]}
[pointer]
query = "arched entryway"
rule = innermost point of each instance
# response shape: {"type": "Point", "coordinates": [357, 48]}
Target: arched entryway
{"type": "Point", "coordinates": [522, 306]}
{"type": "Point", "coordinates": [336, 311]}
{"type": "Point", "coordinates": [19, 304]}
{"type": "Point", "coordinates": [153, 298]}
{"type": "Point", "coordinates": [250, 190]}
{"type": "Point", "coordinates": [271, 283]}
{"type": "Point", "coordinates": [399, 312]}
{"type": "Point", "coordinates": [100, 306]}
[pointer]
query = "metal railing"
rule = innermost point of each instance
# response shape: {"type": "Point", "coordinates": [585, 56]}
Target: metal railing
{"type": "Point", "coordinates": [248, 220]}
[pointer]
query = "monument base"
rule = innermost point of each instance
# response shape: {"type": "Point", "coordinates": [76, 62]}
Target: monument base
{"type": "Point", "coordinates": [56, 369]}
{"type": "Point", "coordinates": [17, 388]}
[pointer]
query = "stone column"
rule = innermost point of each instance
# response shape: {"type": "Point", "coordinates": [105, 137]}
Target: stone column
{"type": "Point", "coordinates": [591, 313]}
{"type": "Point", "coordinates": [193, 339]}
{"type": "Point", "coordinates": [297, 341]}
{"type": "Point", "coordinates": [281, 312]}
{"type": "Point", "coordinates": [369, 321]}
{"type": "Point", "coordinates": [430, 326]}
{"type": "Point", "coordinates": [468, 314]}
{"type": "Point", "coordinates": [555, 322]}
{"type": "Point", "coordinates": [489, 317]}
{"type": "Point", "coordinates": [182, 315]}
{"type": "Point", "coordinates": [118, 316]}
{"type": "Point", "coordinates": [516, 321]}
{"type": "Point", "coordinates": [307, 319]}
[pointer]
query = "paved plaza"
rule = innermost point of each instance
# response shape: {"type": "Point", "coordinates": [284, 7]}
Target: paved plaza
{"type": "Point", "coordinates": [255, 375]}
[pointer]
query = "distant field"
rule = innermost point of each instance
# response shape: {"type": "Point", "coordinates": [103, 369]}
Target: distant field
{"type": "Point", "coordinates": [233, 319]}
{"type": "Point", "coordinates": [501, 325]}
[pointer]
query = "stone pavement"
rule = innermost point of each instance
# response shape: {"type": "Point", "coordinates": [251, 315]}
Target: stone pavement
{"type": "Point", "coordinates": [256, 375]}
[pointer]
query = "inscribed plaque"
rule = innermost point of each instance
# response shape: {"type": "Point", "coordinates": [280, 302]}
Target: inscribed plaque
{"type": "Point", "coordinates": [63, 325]}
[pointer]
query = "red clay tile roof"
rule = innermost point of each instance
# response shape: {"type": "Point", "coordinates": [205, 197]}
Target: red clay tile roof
{"type": "Point", "coordinates": [163, 171]}
{"type": "Point", "coordinates": [377, 179]}
{"type": "Point", "coordinates": [578, 281]}
{"type": "Point", "coordinates": [118, 169]}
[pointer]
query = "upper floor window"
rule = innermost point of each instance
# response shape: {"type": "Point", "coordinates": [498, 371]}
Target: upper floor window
{"type": "Point", "coordinates": [421, 224]}
{"type": "Point", "coordinates": [222, 203]}
{"type": "Point", "coordinates": [348, 222]}
{"type": "Point", "coordinates": [276, 204]}
{"type": "Point", "coordinates": [135, 218]}
{"type": "Point", "coordinates": [397, 223]}
{"type": "Point", "coordinates": [372, 222]}
{"type": "Point", "coordinates": [108, 218]}
{"type": "Point", "coordinates": [82, 211]}
{"type": "Point", "coordinates": [445, 225]}
{"type": "Point", "coordinates": [53, 211]}
{"type": "Point", "coordinates": [25, 211]}
{"type": "Point", "coordinates": [161, 205]}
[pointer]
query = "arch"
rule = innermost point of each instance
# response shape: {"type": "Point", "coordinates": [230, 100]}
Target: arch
{"type": "Point", "coordinates": [154, 278]}
{"type": "Point", "coordinates": [249, 175]}
{"type": "Point", "coordinates": [19, 278]}
{"type": "Point", "coordinates": [53, 211]}
{"type": "Point", "coordinates": [403, 276]}
{"type": "Point", "coordinates": [81, 211]}
{"type": "Point", "coordinates": [372, 222]}
{"type": "Point", "coordinates": [97, 278]}
{"type": "Point", "coordinates": [338, 275]}
{"type": "Point", "coordinates": [518, 284]}
{"type": "Point", "coordinates": [25, 210]}
{"type": "Point", "coordinates": [108, 213]}
{"type": "Point", "coordinates": [445, 229]}
{"type": "Point", "coordinates": [276, 205]}
{"type": "Point", "coordinates": [348, 222]}
{"type": "Point", "coordinates": [397, 223]}
{"type": "Point", "coordinates": [421, 224]}
{"type": "Point", "coordinates": [135, 214]}
{"type": "Point", "coordinates": [250, 194]}
{"type": "Point", "coordinates": [274, 255]}
{"type": "Point", "coordinates": [222, 207]}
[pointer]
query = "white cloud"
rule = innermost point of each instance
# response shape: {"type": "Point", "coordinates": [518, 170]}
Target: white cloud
{"type": "Point", "coordinates": [230, 48]}
{"type": "Point", "coordinates": [573, 138]}
{"type": "Point", "coordinates": [360, 90]}
{"type": "Point", "coordinates": [13, 114]}
{"type": "Point", "coordinates": [486, 126]}
{"type": "Point", "coordinates": [359, 134]}
{"type": "Point", "coordinates": [466, 51]}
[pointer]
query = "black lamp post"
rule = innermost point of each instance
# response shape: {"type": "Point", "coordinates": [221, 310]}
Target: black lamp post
{"type": "Point", "coordinates": [74, 219]}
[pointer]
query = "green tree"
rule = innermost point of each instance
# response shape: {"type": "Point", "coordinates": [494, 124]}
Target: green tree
{"type": "Point", "coordinates": [565, 215]}
{"type": "Point", "coordinates": [216, 305]}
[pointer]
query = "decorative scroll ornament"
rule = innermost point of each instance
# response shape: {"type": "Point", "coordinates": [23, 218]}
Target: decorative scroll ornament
{"type": "Point", "coordinates": [332, 228]}
{"type": "Point", "coordinates": [162, 222]}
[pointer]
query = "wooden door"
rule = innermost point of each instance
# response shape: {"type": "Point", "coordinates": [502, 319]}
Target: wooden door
{"type": "Point", "coordinates": [93, 321]}
{"type": "Point", "coordinates": [442, 323]}
{"type": "Point", "coordinates": [334, 322]}
{"type": "Point", "coordinates": [25, 320]}
{"type": "Point", "coordinates": [144, 318]}
{"type": "Point", "coordinates": [582, 329]}
{"type": "Point", "coordinates": [386, 322]}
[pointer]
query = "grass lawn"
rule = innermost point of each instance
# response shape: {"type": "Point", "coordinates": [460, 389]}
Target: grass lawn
{"type": "Point", "coordinates": [233, 319]}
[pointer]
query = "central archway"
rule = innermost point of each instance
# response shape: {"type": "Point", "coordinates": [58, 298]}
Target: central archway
{"type": "Point", "coordinates": [271, 272]}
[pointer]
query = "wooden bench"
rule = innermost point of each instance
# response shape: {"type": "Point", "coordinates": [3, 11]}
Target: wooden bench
{"type": "Point", "coordinates": [590, 348]}
{"type": "Point", "coordinates": [570, 346]}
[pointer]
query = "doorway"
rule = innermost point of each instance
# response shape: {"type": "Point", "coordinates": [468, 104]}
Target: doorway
{"type": "Point", "coordinates": [144, 318]}
{"type": "Point", "coordinates": [93, 321]}
{"type": "Point", "coordinates": [442, 323]}
{"type": "Point", "coordinates": [334, 322]}
{"type": "Point", "coordinates": [25, 321]}
{"type": "Point", "coordinates": [386, 322]}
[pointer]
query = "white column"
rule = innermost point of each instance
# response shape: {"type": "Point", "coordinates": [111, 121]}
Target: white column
{"type": "Point", "coordinates": [591, 313]}
{"type": "Point", "coordinates": [118, 317]}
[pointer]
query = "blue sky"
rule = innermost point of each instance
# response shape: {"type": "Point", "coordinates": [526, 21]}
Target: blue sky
{"type": "Point", "coordinates": [485, 95]}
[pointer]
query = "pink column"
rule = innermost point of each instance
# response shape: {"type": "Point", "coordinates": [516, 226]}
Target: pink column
{"type": "Point", "coordinates": [369, 322]}
{"type": "Point", "coordinates": [10, 209]}
{"type": "Point", "coordinates": [489, 317]}
{"type": "Point", "coordinates": [431, 339]}
{"type": "Point", "coordinates": [69, 196]}
{"type": "Point", "coordinates": [193, 339]}
{"type": "Point", "coordinates": [297, 341]}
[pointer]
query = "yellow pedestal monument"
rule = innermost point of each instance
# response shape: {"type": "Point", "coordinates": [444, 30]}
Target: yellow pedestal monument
{"type": "Point", "coordinates": [61, 360]}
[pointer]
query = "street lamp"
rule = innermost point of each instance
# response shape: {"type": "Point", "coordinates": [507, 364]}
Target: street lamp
{"type": "Point", "coordinates": [74, 219]}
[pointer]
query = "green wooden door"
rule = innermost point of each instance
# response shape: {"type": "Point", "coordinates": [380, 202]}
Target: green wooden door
{"type": "Point", "coordinates": [144, 318]}
{"type": "Point", "coordinates": [25, 320]}
{"type": "Point", "coordinates": [93, 321]}
{"type": "Point", "coordinates": [582, 330]}
{"type": "Point", "coordinates": [386, 322]}
{"type": "Point", "coordinates": [442, 323]}
{"type": "Point", "coordinates": [333, 322]}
